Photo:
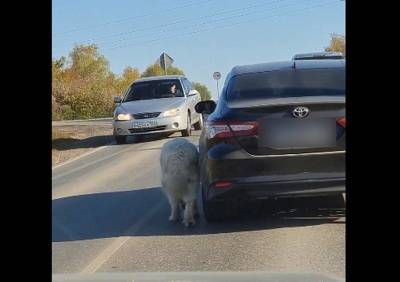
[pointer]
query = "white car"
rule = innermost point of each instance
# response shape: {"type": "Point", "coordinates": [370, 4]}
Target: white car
{"type": "Point", "coordinates": [161, 104]}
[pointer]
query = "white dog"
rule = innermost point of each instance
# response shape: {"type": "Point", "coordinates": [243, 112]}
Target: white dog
{"type": "Point", "coordinates": [180, 178]}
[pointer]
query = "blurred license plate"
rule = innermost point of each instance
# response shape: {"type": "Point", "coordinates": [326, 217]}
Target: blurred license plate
{"type": "Point", "coordinates": [144, 124]}
{"type": "Point", "coordinates": [297, 133]}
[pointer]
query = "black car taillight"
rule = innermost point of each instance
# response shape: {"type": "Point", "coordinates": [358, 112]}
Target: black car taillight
{"type": "Point", "coordinates": [222, 184]}
{"type": "Point", "coordinates": [227, 129]}
{"type": "Point", "coordinates": [342, 122]}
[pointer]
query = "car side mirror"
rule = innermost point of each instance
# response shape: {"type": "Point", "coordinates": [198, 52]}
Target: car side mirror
{"type": "Point", "coordinates": [192, 93]}
{"type": "Point", "coordinates": [117, 99]}
{"type": "Point", "coordinates": [205, 107]}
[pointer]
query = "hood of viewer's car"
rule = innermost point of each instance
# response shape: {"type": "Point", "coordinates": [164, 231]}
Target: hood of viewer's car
{"type": "Point", "coordinates": [197, 277]}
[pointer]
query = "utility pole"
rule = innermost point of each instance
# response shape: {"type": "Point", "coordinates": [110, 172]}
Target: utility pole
{"type": "Point", "coordinates": [217, 90]}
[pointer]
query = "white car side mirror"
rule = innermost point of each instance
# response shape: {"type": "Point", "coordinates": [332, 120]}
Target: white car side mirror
{"type": "Point", "coordinates": [192, 92]}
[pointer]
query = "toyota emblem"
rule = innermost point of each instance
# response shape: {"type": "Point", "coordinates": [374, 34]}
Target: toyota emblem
{"type": "Point", "coordinates": [300, 112]}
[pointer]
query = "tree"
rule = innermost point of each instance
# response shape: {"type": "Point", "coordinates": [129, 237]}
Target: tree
{"type": "Point", "coordinates": [156, 70]}
{"type": "Point", "coordinates": [337, 44]}
{"type": "Point", "coordinates": [129, 75]}
{"type": "Point", "coordinates": [174, 71]}
{"type": "Point", "coordinates": [84, 88]}
{"type": "Point", "coordinates": [89, 83]}
{"type": "Point", "coordinates": [57, 70]}
{"type": "Point", "coordinates": [87, 62]}
{"type": "Point", "coordinates": [203, 90]}
{"type": "Point", "coordinates": [58, 64]}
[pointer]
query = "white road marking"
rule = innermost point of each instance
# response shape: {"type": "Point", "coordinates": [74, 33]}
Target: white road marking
{"type": "Point", "coordinates": [105, 255]}
{"type": "Point", "coordinates": [83, 155]}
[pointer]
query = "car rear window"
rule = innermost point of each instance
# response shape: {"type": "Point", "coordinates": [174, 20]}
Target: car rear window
{"type": "Point", "coordinates": [287, 83]}
{"type": "Point", "coordinates": [155, 89]}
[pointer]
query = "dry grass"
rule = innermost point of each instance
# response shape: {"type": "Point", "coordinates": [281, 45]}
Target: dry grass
{"type": "Point", "coordinates": [58, 134]}
{"type": "Point", "coordinates": [71, 141]}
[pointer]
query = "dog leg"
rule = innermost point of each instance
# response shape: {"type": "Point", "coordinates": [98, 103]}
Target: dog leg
{"type": "Point", "coordinates": [192, 194]}
{"type": "Point", "coordinates": [188, 217]}
{"type": "Point", "coordinates": [174, 209]}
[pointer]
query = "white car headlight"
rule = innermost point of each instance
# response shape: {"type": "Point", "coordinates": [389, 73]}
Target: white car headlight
{"type": "Point", "coordinates": [123, 117]}
{"type": "Point", "coordinates": [171, 113]}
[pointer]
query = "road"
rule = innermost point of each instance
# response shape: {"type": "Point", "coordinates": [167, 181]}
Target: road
{"type": "Point", "coordinates": [109, 215]}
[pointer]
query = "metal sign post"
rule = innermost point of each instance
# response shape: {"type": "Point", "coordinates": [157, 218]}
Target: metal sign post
{"type": "Point", "coordinates": [217, 76]}
{"type": "Point", "coordinates": [165, 65]}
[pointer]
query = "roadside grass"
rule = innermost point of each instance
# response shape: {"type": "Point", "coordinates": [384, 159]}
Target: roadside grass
{"type": "Point", "coordinates": [71, 141]}
{"type": "Point", "coordinates": [58, 136]}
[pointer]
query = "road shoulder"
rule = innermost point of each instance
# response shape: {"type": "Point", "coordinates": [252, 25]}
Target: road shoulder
{"type": "Point", "coordinates": [73, 141]}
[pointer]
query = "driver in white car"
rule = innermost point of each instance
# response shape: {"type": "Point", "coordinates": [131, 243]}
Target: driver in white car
{"type": "Point", "coordinates": [175, 91]}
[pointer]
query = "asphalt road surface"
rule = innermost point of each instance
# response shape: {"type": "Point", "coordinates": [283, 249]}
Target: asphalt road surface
{"type": "Point", "coordinates": [109, 215]}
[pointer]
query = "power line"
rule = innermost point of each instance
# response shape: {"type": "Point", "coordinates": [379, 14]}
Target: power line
{"type": "Point", "coordinates": [201, 24]}
{"type": "Point", "coordinates": [222, 26]}
{"type": "Point", "coordinates": [212, 21]}
{"type": "Point", "coordinates": [208, 22]}
{"type": "Point", "coordinates": [89, 27]}
{"type": "Point", "coordinates": [180, 21]}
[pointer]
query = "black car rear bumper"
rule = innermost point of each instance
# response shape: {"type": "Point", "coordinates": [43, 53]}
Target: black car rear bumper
{"type": "Point", "coordinates": [259, 177]}
{"type": "Point", "coordinates": [245, 189]}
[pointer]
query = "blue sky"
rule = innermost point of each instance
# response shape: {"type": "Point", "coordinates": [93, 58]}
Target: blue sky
{"type": "Point", "coordinates": [202, 36]}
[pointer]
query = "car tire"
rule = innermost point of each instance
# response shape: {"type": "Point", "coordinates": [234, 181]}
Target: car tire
{"type": "Point", "coordinates": [199, 125]}
{"type": "Point", "coordinates": [120, 139]}
{"type": "Point", "coordinates": [188, 129]}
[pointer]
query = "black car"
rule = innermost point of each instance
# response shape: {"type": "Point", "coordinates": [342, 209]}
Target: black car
{"type": "Point", "coordinates": [278, 130]}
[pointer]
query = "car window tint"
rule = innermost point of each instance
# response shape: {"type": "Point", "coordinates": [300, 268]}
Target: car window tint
{"type": "Point", "coordinates": [156, 89]}
{"type": "Point", "coordinates": [287, 83]}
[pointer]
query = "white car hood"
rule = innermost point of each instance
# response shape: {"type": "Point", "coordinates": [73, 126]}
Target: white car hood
{"type": "Point", "coordinates": [149, 106]}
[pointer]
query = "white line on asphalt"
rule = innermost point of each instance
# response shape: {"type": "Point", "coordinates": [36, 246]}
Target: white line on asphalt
{"type": "Point", "coordinates": [105, 255]}
{"type": "Point", "coordinates": [83, 155]}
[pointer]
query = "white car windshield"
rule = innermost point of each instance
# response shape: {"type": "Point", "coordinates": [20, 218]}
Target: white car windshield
{"type": "Point", "coordinates": [156, 89]}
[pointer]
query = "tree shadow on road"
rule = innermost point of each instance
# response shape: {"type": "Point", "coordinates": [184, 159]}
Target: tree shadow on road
{"type": "Point", "coordinates": [144, 212]}
{"type": "Point", "coordinates": [62, 144]}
